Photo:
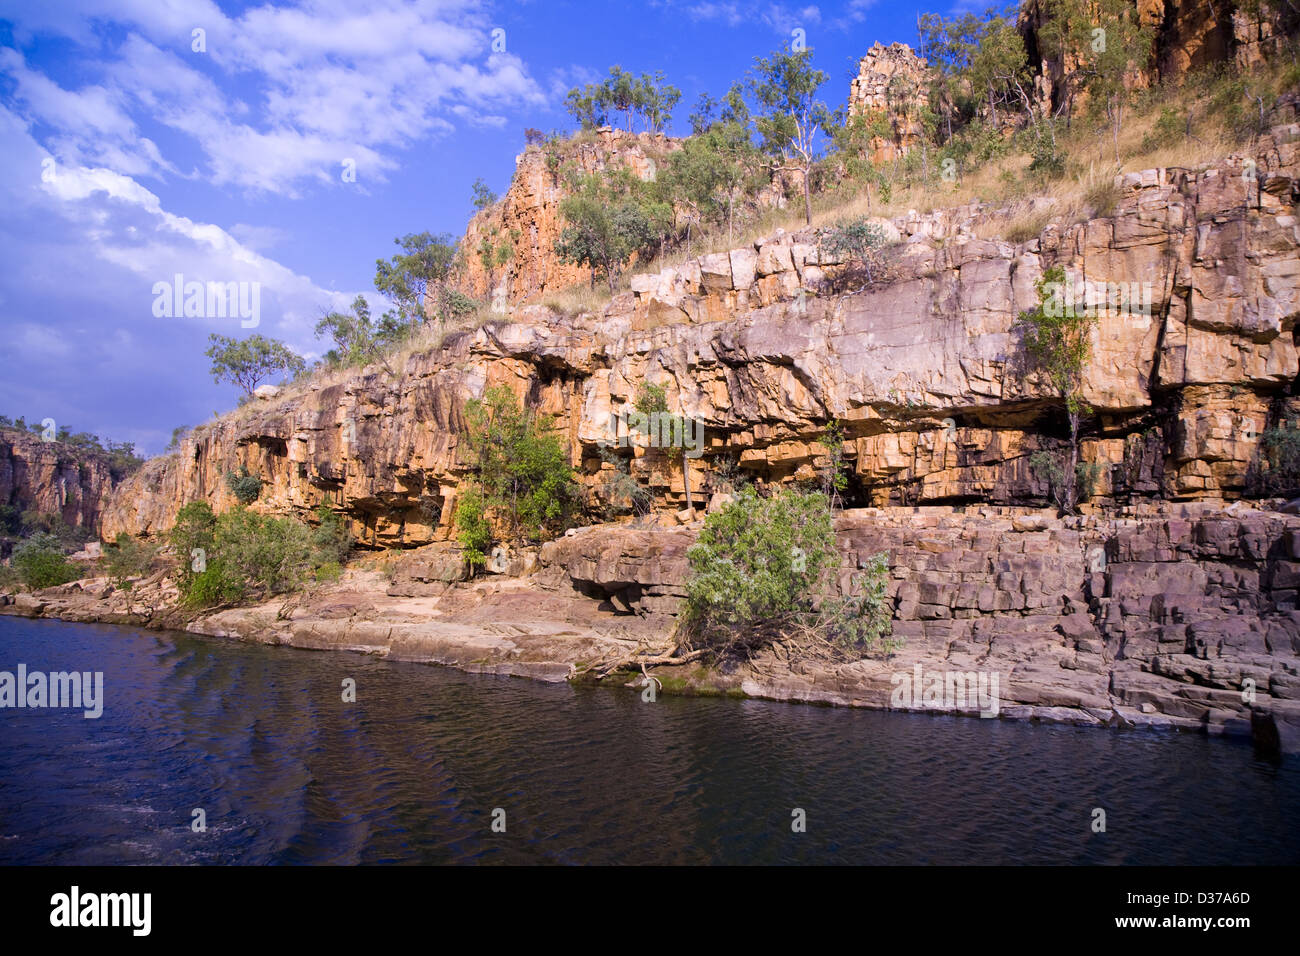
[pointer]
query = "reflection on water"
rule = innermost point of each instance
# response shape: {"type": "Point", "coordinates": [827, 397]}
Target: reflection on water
{"type": "Point", "coordinates": [286, 772]}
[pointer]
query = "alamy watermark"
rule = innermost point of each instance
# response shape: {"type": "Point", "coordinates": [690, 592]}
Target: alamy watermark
{"type": "Point", "coordinates": [954, 691]}
{"type": "Point", "coordinates": [1102, 299]}
{"type": "Point", "coordinates": [67, 689]}
{"type": "Point", "coordinates": [208, 300]}
{"type": "Point", "coordinates": [661, 430]}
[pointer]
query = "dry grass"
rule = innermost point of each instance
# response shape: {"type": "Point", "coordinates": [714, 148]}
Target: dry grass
{"type": "Point", "coordinates": [1086, 189]}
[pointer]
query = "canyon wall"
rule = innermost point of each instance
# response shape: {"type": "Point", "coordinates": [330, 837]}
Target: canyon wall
{"type": "Point", "coordinates": [52, 477]}
{"type": "Point", "coordinates": [764, 345]}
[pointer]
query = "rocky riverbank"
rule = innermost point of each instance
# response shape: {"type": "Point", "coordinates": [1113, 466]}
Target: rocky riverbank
{"type": "Point", "coordinates": [1175, 615]}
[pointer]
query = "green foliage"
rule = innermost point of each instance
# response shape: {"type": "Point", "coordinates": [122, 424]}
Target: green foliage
{"type": "Point", "coordinates": [857, 243]}
{"type": "Point", "coordinates": [194, 530]}
{"type": "Point", "coordinates": [833, 479]}
{"type": "Point", "coordinates": [1059, 338]}
{"type": "Point", "coordinates": [178, 433]}
{"type": "Point", "coordinates": [784, 86]}
{"type": "Point", "coordinates": [260, 551]}
{"type": "Point", "coordinates": [522, 466]}
{"type": "Point", "coordinates": [245, 487]}
{"type": "Point", "coordinates": [649, 96]}
{"type": "Point", "coordinates": [330, 539]}
{"type": "Point", "coordinates": [1169, 129]}
{"type": "Point", "coordinates": [40, 562]}
{"type": "Point", "coordinates": [1276, 470]}
{"type": "Point", "coordinates": [248, 361]}
{"type": "Point", "coordinates": [608, 220]}
{"type": "Point", "coordinates": [473, 530]}
{"type": "Point", "coordinates": [760, 570]}
{"type": "Point", "coordinates": [359, 340]}
{"type": "Point", "coordinates": [1050, 467]}
{"type": "Point", "coordinates": [651, 399]}
{"type": "Point", "coordinates": [483, 196]}
{"type": "Point", "coordinates": [417, 280]}
{"type": "Point", "coordinates": [713, 173]}
{"type": "Point", "coordinates": [127, 558]}
{"type": "Point", "coordinates": [623, 492]}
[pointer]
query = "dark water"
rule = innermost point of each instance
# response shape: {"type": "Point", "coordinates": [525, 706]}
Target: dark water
{"type": "Point", "coordinates": [287, 773]}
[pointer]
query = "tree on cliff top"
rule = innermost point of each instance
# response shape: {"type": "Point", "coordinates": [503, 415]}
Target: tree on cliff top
{"type": "Point", "coordinates": [608, 220]}
{"type": "Point", "coordinates": [418, 281]}
{"type": "Point", "coordinates": [785, 87]}
{"type": "Point", "coordinates": [247, 362]}
{"type": "Point", "coordinates": [649, 96]}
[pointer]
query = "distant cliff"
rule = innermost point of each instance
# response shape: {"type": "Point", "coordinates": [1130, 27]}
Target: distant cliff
{"type": "Point", "coordinates": [53, 477]}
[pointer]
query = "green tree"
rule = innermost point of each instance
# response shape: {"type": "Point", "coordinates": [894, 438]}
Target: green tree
{"type": "Point", "coordinates": [655, 100]}
{"type": "Point", "coordinates": [606, 223]}
{"type": "Point", "coordinates": [417, 281]}
{"type": "Point", "coordinates": [247, 362]}
{"type": "Point", "coordinates": [522, 466]}
{"type": "Point", "coordinates": [126, 559]}
{"type": "Point", "coordinates": [358, 339]}
{"type": "Point", "coordinates": [484, 197]}
{"type": "Point", "coordinates": [761, 571]}
{"type": "Point", "coordinates": [473, 530]}
{"type": "Point", "coordinates": [40, 562]}
{"type": "Point", "coordinates": [1058, 340]}
{"type": "Point", "coordinates": [192, 537]}
{"type": "Point", "coordinates": [785, 87]}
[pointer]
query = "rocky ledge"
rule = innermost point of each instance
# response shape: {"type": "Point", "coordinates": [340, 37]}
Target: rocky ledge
{"type": "Point", "coordinates": [1181, 616]}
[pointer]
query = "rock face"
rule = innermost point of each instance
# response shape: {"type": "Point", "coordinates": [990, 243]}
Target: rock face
{"type": "Point", "coordinates": [891, 85]}
{"type": "Point", "coordinates": [1188, 35]}
{"type": "Point", "coordinates": [528, 215]}
{"type": "Point", "coordinates": [1166, 615]}
{"type": "Point", "coordinates": [52, 477]}
{"type": "Point", "coordinates": [762, 346]}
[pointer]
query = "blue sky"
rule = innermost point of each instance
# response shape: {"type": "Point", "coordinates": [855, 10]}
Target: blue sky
{"type": "Point", "coordinates": [129, 156]}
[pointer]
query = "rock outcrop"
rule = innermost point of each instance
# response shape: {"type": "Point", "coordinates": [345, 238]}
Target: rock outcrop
{"type": "Point", "coordinates": [52, 477]}
{"type": "Point", "coordinates": [528, 219]}
{"type": "Point", "coordinates": [891, 85]}
{"type": "Point", "coordinates": [1163, 615]}
{"type": "Point", "coordinates": [1187, 35]}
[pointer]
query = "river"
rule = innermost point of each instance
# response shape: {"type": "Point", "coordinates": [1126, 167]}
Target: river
{"type": "Point", "coordinates": [426, 760]}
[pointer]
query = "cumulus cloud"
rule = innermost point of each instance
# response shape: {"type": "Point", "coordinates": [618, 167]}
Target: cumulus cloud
{"type": "Point", "coordinates": [277, 97]}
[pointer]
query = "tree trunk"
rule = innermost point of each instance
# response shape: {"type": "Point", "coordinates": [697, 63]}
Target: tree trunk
{"type": "Point", "coordinates": [1071, 486]}
{"type": "Point", "coordinates": [807, 196]}
{"type": "Point", "coordinates": [686, 474]}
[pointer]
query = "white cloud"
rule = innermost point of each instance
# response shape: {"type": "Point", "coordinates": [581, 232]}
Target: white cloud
{"type": "Point", "coordinates": [281, 96]}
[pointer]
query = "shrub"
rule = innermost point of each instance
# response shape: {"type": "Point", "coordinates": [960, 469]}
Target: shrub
{"type": "Point", "coordinates": [40, 562]}
{"type": "Point", "coordinates": [856, 242]}
{"type": "Point", "coordinates": [272, 554]}
{"type": "Point", "coordinates": [192, 538]}
{"type": "Point", "coordinates": [243, 486]}
{"type": "Point", "coordinates": [331, 541]}
{"type": "Point", "coordinates": [472, 527]}
{"type": "Point", "coordinates": [523, 468]}
{"type": "Point", "coordinates": [1276, 469]}
{"type": "Point", "coordinates": [1169, 129]}
{"type": "Point", "coordinates": [127, 558]}
{"type": "Point", "coordinates": [760, 570]}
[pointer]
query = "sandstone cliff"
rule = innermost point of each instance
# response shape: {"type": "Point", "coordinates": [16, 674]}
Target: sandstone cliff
{"type": "Point", "coordinates": [762, 347]}
{"type": "Point", "coordinates": [528, 216]}
{"type": "Point", "coordinates": [1188, 35]}
{"type": "Point", "coordinates": [52, 477]}
{"type": "Point", "coordinates": [891, 84]}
